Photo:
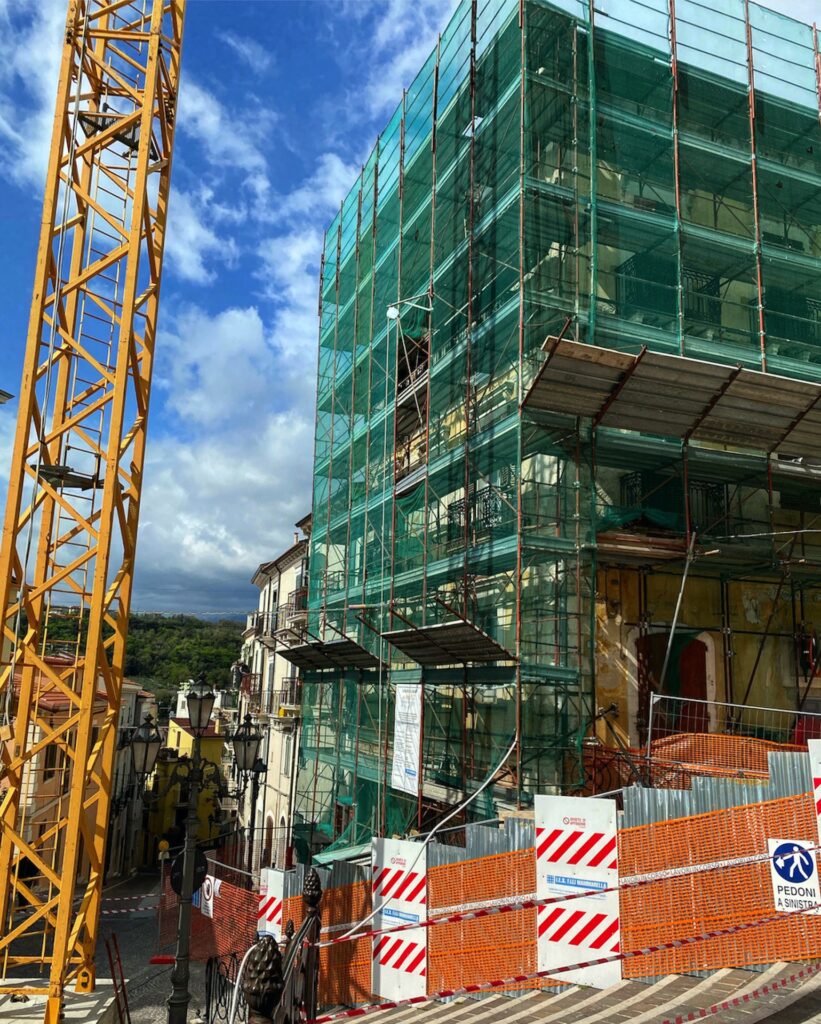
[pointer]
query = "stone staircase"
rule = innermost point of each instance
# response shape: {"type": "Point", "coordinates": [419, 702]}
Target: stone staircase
{"type": "Point", "coordinates": [672, 998]}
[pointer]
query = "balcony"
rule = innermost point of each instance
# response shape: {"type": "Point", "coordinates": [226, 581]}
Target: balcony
{"type": "Point", "coordinates": [252, 625]}
{"type": "Point", "coordinates": [268, 629]}
{"type": "Point", "coordinates": [297, 606]}
{"type": "Point", "coordinates": [290, 618]}
{"type": "Point", "coordinates": [250, 688]}
{"type": "Point", "coordinates": [285, 702]}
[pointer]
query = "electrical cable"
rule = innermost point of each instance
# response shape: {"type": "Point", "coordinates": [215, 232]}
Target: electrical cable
{"type": "Point", "coordinates": [460, 807]}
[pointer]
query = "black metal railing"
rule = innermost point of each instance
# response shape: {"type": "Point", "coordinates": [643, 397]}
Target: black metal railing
{"type": "Point", "coordinates": [289, 695]}
{"type": "Point", "coordinates": [283, 989]}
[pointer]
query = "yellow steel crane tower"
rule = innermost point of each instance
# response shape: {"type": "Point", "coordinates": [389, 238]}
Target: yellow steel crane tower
{"type": "Point", "coordinates": [70, 528]}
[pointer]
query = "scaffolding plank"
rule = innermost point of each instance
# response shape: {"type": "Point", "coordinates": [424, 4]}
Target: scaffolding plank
{"type": "Point", "coordinates": [447, 643]}
{"type": "Point", "coordinates": [306, 656]}
{"type": "Point", "coordinates": [347, 653]}
{"type": "Point", "coordinates": [337, 654]}
{"type": "Point", "coordinates": [677, 396]}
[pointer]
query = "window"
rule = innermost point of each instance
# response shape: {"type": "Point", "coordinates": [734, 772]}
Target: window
{"type": "Point", "coordinates": [286, 754]}
{"type": "Point", "coordinates": [49, 761]}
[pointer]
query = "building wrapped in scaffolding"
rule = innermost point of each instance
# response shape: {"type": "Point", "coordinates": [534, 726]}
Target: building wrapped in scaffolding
{"type": "Point", "coordinates": [568, 408]}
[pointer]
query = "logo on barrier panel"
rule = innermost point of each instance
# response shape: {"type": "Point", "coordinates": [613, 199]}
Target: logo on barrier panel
{"type": "Point", "coordinates": [399, 892]}
{"type": "Point", "coordinates": [577, 850]}
{"type": "Point", "coordinates": [271, 901]}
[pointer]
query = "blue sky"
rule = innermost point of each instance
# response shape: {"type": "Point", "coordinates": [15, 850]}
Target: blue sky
{"type": "Point", "coordinates": [281, 101]}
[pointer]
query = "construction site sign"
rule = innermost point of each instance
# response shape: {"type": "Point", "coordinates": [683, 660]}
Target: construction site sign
{"type": "Point", "coordinates": [399, 888]}
{"type": "Point", "coordinates": [577, 851]}
{"type": "Point", "coordinates": [210, 891]}
{"type": "Point", "coordinates": [406, 738]}
{"type": "Point", "coordinates": [271, 900]}
{"type": "Point", "coordinates": [794, 875]}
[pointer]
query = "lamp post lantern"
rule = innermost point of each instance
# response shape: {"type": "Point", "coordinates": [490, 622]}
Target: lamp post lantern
{"type": "Point", "coordinates": [246, 742]}
{"type": "Point", "coordinates": [145, 748]}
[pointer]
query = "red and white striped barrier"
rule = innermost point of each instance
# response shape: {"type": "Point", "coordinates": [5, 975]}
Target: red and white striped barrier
{"type": "Point", "coordinates": [271, 903]}
{"type": "Point", "coordinates": [577, 856]}
{"type": "Point", "coordinates": [127, 910]}
{"type": "Point", "coordinates": [131, 899]}
{"type": "Point", "coordinates": [517, 979]}
{"type": "Point", "coordinates": [399, 892]}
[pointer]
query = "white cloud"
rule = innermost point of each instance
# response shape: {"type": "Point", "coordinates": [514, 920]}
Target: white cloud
{"type": "Point", "coordinates": [320, 193]}
{"type": "Point", "coordinates": [7, 424]}
{"type": "Point", "coordinates": [240, 383]}
{"type": "Point", "coordinates": [230, 473]}
{"type": "Point", "coordinates": [216, 508]}
{"type": "Point", "coordinates": [31, 36]}
{"type": "Point", "coordinates": [229, 138]}
{"type": "Point", "coordinates": [248, 50]}
{"type": "Point", "coordinates": [190, 242]}
{"type": "Point", "coordinates": [404, 35]}
{"type": "Point", "coordinates": [216, 369]}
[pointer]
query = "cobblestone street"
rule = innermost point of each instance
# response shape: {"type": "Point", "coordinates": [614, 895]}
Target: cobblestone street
{"type": "Point", "coordinates": [148, 986]}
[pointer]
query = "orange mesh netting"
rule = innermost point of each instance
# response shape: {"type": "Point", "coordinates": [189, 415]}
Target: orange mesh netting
{"type": "Point", "coordinates": [344, 969]}
{"type": "Point", "coordinates": [493, 947]}
{"type": "Point", "coordinates": [709, 901]}
{"type": "Point", "coordinates": [726, 753]}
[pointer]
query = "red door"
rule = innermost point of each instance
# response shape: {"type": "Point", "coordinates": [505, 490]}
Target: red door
{"type": "Point", "coordinates": [686, 679]}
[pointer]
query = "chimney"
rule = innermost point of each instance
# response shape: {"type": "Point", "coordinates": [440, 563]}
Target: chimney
{"type": "Point", "coordinates": [296, 537]}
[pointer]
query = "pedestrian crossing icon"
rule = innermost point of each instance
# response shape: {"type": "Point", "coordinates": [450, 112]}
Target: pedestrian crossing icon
{"type": "Point", "coordinates": [794, 876]}
{"type": "Point", "coordinates": [793, 863]}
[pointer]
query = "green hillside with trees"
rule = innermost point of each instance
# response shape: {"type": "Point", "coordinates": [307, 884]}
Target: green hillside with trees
{"type": "Point", "coordinates": [165, 650]}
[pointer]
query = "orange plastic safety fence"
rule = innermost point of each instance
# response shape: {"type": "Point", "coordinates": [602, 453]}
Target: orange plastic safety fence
{"type": "Point", "coordinates": [492, 947]}
{"type": "Point", "coordinates": [344, 969]}
{"type": "Point", "coordinates": [707, 901]}
{"type": "Point", "coordinates": [718, 752]}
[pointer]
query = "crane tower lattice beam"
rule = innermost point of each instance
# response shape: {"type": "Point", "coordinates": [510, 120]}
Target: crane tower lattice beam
{"type": "Point", "coordinates": [70, 528]}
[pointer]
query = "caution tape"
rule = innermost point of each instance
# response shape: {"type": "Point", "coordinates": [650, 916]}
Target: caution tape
{"type": "Point", "coordinates": [529, 902]}
{"type": "Point", "coordinates": [758, 993]}
{"type": "Point", "coordinates": [517, 979]}
{"type": "Point", "coordinates": [127, 910]}
{"type": "Point", "coordinates": [123, 899]}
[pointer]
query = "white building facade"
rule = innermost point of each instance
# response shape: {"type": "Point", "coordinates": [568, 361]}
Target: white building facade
{"type": "Point", "coordinates": [271, 691]}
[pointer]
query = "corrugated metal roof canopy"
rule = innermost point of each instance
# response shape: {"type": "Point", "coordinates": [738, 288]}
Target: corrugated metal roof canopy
{"type": "Point", "coordinates": [674, 396]}
{"type": "Point", "coordinates": [447, 643]}
{"type": "Point", "coordinates": [306, 656]}
{"type": "Point", "coordinates": [348, 653]}
{"type": "Point", "coordinates": [339, 654]}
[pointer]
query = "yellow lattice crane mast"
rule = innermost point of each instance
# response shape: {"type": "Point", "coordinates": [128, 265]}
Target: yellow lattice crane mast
{"type": "Point", "coordinates": [70, 527]}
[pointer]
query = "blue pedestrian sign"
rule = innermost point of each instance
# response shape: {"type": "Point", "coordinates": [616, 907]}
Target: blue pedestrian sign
{"type": "Point", "coordinates": [792, 862]}
{"type": "Point", "coordinates": [794, 875]}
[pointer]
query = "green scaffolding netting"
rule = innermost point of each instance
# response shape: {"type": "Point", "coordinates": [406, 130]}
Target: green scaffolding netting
{"type": "Point", "coordinates": [542, 173]}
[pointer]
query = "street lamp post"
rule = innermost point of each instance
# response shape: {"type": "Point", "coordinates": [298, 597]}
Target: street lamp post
{"type": "Point", "coordinates": [246, 742]}
{"type": "Point", "coordinates": [201, 700]}
{"type": "Point", "coordinates": [145, 748]}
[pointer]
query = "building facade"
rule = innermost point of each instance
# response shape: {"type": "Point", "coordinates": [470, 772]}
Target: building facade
{"type": "Point", "coordinates": [166, 806]}
{"type": "Point", "coordinates": [567, 408]}
{"type": "Point", "coordinates": [271, 692]}
{"type": "Point", "coordinates": [123, 846]}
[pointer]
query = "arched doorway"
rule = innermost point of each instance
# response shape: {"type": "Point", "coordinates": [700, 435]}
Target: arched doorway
{"type": "Point", "coordinates": [691, 676]}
